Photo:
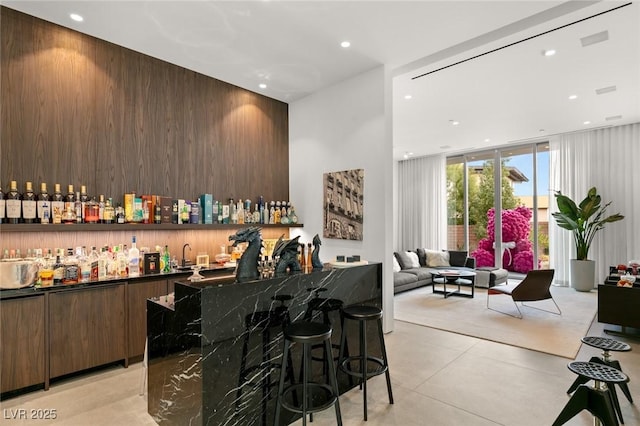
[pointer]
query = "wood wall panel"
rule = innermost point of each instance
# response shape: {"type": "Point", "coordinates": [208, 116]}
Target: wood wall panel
{"type": "Point", "coordinates": [80, 110]}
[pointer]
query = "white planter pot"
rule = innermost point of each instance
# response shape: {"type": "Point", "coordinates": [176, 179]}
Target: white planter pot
{"type": "Point", "coordinates": [583, 274]}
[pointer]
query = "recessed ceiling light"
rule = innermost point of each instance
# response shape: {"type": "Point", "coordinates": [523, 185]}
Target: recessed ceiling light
{"type": "Point", "coordinates": [76, 17]}
{"type": "Point", "coordinates": [345, 44]}
{"type": "Point", "coordinates": [487, 140]}
{"type": "Point", "coordinates": [572, 97]}
{"type": "Point", "coordinates": [586, 122]}
{"type": "Point", "coordinates": [408, 96]}
{"type": "Point", "coordinates": [454, 122]}
{"type": "Point", "coordinates": [262, 86]}
{"type": "Point", "coordinates": [549, 52]}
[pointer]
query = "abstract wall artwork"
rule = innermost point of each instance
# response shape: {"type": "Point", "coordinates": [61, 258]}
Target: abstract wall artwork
{"type": "Point", "coordinates": [343, 204]}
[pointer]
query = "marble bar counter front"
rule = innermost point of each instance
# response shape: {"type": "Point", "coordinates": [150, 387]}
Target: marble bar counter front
{"type": "Point", "coordinates": [215, 348]}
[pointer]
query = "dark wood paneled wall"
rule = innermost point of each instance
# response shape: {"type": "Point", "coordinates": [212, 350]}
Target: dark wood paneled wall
{"type": "Point", "coordinates": [82, 111]}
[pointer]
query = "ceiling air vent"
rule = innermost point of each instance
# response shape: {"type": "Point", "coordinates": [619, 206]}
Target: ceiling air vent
{"type": "Point", "coordinates": [594, 38]}
{"type": "Point", "coordinates": [613, 117]}
{"type": "Point", "coordinates": [604, 90]}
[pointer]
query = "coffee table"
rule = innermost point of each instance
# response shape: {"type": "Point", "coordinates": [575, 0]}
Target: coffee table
{"type": "Point", "coordinates": [454, 278]}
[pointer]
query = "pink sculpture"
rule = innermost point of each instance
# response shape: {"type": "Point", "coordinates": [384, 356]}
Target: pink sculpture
{"type": "Point", "coordinates": [517, 253]}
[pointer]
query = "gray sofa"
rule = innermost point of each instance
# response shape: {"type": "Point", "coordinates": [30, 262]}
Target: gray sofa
{"type": "Point", "coordinates": [410, 277]}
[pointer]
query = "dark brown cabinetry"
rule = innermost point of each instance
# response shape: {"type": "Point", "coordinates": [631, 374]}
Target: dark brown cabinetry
{"type": "Point", "coordinates": [619, 305]}
{"type": "Point", "coordinates": [22, 342]}
{"type": "Point", "coordinates": [86, 328]}
{"type": "Point", "coordinates": [137, 294]}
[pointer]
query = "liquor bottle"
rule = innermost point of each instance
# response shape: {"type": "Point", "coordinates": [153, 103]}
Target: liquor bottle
{"type": "Point", "coordinates": [234, 212]}
{"type": "Point", "coordinates": [240, 213]}
{"type": "Point", "coordinates": [277, 212]}
{"type": "Point", "coordinates": [91, 211]}
{"type": "Point", "coordinates": [13, 203]}
{"type": "Point", "coordinates": [109, 212]}
{"type": "Point", "coordinates": [120, 217]}
{"type": "Point", "coordinates": [29, 204]}
{"type": "Point", "coordinates": [101, 205]}
{"type": "Point", "coordinates": [157, 213]}
{"type": "Point", "coordinates": [84, 264]}
{"type": "Point", "coordinates": [70, 199]}
{"type": "Point", "coordinates": [134, 259]}
{"type": "Point", "coordinates": [77, 208]}
{"type": "Point", "coordinates": [58, 270]}
{"type": "Point", "coordinates": [145, 211]}
{"type": "Point", "coordinates": [122, 264]}
{"type": "Point", "coordinates": [84, 199]}
{"type": "Point", "coordinates": [261, 209]}
{"type": "Point", "coordinates": [165, 260]}
{"type": "Point", "coordinates": [71, 268]}
{"type": "Point", "coordinates": [44, 204]}
{"type": "Point", "coordinates": [57, 205]}
{"type": "Point", "coordinates": [102, 264]}
{"type": "Point", "coordinates": [2, 206]}
{"type": "Point", "coordinates": [94, 259]}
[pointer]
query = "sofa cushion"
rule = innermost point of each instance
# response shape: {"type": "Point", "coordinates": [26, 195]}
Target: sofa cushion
{"type": "Point", "coordinates": [396, 265]}
{"type": "Point", "coordinates": [420, 273]}
{"type": "Point", "coordinates": [406, 260]}
{"type": "Point", "coordinates": [402, 278]}
{"type": "Point", "coordinates": [457, 258]}
{"type": "Point", "coordinates": [437, 258]}
{"type": "Point", "coordinates": [413, 257]}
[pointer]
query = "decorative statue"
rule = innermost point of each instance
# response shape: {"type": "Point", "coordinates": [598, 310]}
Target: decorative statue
{"type": "Point", "coordinates": [287, 254]}
{"type": "Point", "coordinates": [247, 269]}
{"type": "Point", "coordinates": [315, 256]}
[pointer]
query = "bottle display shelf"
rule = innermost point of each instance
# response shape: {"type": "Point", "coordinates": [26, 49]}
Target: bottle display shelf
{"type": "Point", "coordinates": [79, 227]}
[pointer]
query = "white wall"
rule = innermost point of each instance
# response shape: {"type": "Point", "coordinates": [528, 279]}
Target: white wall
{"type": "Point", "coordinates": [346, 126]}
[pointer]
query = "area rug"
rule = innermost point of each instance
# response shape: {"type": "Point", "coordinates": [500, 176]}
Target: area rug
{"type": "Point", "coordinates": [537, 330]}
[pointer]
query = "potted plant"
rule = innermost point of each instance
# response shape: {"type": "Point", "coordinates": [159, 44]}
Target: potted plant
{"type": "Point", "coordinates": [584, 221]}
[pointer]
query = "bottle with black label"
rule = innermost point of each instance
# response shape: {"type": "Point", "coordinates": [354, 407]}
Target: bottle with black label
{"type": "Point", "coordinates": [13, 203]}
{"type": "Point", "coordinates": [44, 204]}
{"type": "Point", "coordinates": [71, 268]}
{"type": "Point", "coordinates": [58, 270]}
{"type": "Point", "coordinates": [29, 204]}
{"type": "Point", "coordinates": [120, 217]}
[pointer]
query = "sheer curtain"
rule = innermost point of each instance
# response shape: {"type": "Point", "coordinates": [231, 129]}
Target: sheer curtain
{"type": "Point", "coordinates": [422, 203]}
{"type": "Point", "coordinates": [607, 159]}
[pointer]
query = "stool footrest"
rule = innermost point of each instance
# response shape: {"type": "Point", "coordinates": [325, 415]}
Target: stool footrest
{"type": "Point", "coordinates": [316, 391]}
{"type": "Point", "coordinates": [356, 359]}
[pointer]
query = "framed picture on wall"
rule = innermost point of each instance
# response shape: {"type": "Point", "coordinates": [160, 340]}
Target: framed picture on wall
{"type": "Point", "coordinates": [343, 204]}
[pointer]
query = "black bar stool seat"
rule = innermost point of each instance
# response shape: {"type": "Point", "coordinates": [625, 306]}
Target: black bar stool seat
{"type": "Point", "coordinates": [598, 400]}
{"type": "Point", "coordinates": [315, 396]}
{"type": "Point", "coordinates": [362, 314]}
{"type": "Point", "coordinates": [607, 345]}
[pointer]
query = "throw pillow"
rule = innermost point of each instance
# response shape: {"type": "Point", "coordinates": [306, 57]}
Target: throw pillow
{"type": "Point", "coordinates": [457, 258]}
{"type": "Point", "coordinates": [413, 257]}
{"type": "Point", "coordinates": [396, 265]}
{"type": "Point", "coordinates": [422, 256]}
{"type": "Point", "coordinates": [437, 258]}
{"type": "Point", "coordinates": [403, 260]}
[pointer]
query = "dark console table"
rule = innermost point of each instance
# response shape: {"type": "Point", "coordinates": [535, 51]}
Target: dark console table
{"type": "Point", "coordinates": [619, 306]}
{"type": "Point", "coordinates": [201, 348]}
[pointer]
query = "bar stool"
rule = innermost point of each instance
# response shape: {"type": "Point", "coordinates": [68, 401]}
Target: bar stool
{"type": "Point", "coordinates": [606, 344]}
{"type": "Point", "coordinates": [315, 396]}
{"type": "Point", "coordinates": [598, 400]}
{"type": "Point", "coordinates": [263, 322]}
{"type": "Point", "coordinates": [362, 314]}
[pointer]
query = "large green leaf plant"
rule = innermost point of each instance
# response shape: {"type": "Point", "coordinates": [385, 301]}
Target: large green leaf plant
{"type": "Point", "coordinates": [583, 220]}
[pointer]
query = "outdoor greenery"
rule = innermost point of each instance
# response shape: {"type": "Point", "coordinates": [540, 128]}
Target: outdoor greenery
{"type": "Point", "coordinates": [480, 196]}
{"type": "Point", "coordinates": [583, 220]}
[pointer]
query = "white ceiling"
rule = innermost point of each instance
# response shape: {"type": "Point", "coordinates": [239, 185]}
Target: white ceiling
{"type": "Point", "coordinates": [294, 47]}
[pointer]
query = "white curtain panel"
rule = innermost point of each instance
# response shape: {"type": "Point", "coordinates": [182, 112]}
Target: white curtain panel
{"type": "Point", "coordinates": [422, 203]}
{"type": "Point", "coordinates": [608, 159]}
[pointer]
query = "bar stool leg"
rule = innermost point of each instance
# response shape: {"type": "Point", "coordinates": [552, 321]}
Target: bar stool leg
{"type": "Point", "coordinates": [385, 360]}
{"type": "Point", "coordinates": [596, 401]}
{"type": "Point", "coordinates": [285, 357]}
{"type": "Point", "coordinates": [363, 364]}
{"type": "Point", "coordinates": [623, 386]}
{"type": "Point", "coordinates": [334, 384]}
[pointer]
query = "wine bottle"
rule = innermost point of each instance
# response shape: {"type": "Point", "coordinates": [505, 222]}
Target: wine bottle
{"type": "Point", "coordinates": [101, 205]}
{"type": "Point", "coordinates": [2, 206]}
{"type": "Point", "coordinates": [13, 203]}
{"type": "Point", "coordinates": [57, 204]}
{"type": "Point", "coordinates": [44, 204]}
{"type": "Point", "coordinates": [28, 204]}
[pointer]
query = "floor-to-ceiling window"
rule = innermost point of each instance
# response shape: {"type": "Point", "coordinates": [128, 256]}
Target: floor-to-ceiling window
{"type": "Point", "coordinates": [514, 235]}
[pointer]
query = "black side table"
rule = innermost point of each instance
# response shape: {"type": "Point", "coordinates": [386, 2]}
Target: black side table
{"type": "Point", "coordinates": [598, 400]}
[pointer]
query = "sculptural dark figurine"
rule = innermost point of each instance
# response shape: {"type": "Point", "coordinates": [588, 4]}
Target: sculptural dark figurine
{"type": "Point", "coordinates": [315, 255]}
{"type": "Point", "coordinates": [287, 254]}
{"type": "Point", "coordinates": [247, 269]}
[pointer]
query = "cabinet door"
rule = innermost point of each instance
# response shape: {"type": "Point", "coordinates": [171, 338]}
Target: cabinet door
{"type": "Point", "coordinates": [87, 328]}
{"type": "Point", "coordinates": [22, 349]}
{"type": "Point", "coordinates": [137, 294]}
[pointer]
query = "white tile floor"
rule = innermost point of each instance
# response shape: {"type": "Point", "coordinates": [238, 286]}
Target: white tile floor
{"type": "Point", "coordinates": [438, 378]}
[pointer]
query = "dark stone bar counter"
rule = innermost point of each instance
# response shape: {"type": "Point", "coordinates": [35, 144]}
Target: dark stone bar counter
{"type": "Point", "coordinates": [214, 351]}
